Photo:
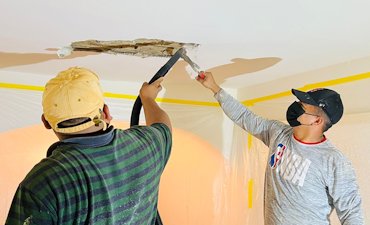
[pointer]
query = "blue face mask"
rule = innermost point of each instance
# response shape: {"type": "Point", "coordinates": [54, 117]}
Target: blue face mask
{"type": "Point", "coordinates": [294, 111]}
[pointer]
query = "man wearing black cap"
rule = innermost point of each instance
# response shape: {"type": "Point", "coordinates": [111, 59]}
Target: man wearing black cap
{"type": "Point", "coordinates": [306, 175]}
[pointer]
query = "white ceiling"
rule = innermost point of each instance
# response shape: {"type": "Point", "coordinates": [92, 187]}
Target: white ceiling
{"type": "Point", "coordinates": [272, 39]}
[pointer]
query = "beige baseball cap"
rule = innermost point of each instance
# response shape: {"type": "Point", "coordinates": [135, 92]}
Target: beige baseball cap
{"type": "Point", "coordinates": [73, 93]}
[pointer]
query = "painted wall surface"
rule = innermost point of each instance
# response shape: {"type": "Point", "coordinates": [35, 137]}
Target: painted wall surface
{"type": "Point", "coordinates": [206, 181]}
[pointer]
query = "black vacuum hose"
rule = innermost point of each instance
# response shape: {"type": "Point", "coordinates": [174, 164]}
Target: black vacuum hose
{"type": "Point", "coordinates": [135, 114]}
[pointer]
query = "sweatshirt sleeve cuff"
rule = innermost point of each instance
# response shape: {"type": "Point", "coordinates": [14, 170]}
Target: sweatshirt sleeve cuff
{"type": "Point", "coordinates": [219, 95]}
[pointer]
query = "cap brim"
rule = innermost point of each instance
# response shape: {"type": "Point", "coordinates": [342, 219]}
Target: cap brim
{"type": "Point", "coordinates": [304, 97]}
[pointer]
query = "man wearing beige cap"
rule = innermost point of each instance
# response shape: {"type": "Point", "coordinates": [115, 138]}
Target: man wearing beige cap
{"type": "Point", "coordinates": [95, 174]}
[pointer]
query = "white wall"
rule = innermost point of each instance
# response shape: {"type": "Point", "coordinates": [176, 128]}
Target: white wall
{"type": "Point", "coordinates": [211, 160]}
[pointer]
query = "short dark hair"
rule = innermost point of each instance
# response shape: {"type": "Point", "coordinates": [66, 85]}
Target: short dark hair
{"type": "Point", "coordinates": [326, 118]}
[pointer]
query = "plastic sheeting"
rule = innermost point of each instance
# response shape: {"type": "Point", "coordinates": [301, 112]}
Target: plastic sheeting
{"type": "Point", "coordinates": [214, 176]}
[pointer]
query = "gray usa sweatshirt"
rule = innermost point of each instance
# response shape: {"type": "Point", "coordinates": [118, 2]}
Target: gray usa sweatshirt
{"type": "Point", "coordinates": [303, 182]}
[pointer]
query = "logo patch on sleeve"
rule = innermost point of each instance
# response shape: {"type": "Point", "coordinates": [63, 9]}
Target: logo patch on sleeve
{"type": "Point", "coordinates": [275, 158]}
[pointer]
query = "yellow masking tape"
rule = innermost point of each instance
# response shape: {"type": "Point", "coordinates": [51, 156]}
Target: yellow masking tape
{"type": "Point", "coordinates": [114, 95]}
{"type": "Point", "coordinates": [187, 102]}
{"type": "Point", "coordinates": [249, 141]}
{"type": "Point", "coordinates": [336, 81]}
{"type": "Point", "coordinates": [22, 87]}
{"type": "Point", "coordinates": [308, 87]}
{"type": "Point", "coordinates": [250, 102]}
{"type": "Point", "coordinates": [124, 96]}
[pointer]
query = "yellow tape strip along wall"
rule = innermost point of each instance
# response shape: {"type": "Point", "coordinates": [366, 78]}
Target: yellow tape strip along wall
{"type": "Point", "coordinates": [249, 102]}
{"type": "Point", "coordinates": [308, 87]}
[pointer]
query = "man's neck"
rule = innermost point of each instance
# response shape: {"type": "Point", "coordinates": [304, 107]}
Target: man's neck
{"type": "Point", "coordinates": [92, 131]}
{"type": "Point", "coordinates": [308, 135]}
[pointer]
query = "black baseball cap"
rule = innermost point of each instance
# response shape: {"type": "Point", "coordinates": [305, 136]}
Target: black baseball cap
{"type": "Point", "coordinates": [328, 100]}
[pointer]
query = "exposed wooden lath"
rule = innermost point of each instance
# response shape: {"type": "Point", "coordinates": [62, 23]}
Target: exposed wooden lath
{"type": "Point", "coordinates": [138, 47]}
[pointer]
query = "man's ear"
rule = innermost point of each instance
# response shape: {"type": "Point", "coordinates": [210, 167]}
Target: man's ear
{"type": "Point", "coordinates": [106, 114]}
{"type": "Point", "coordinates": [319, 120]}
{"type": "Point", "coordinates": [45, 122]}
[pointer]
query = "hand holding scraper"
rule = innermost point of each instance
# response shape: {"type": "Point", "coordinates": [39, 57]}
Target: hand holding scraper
{"type": "Point", "coordinates": [193, 65]}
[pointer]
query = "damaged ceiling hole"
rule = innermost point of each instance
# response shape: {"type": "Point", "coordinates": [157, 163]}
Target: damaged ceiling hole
{"type": "Point", "coordinates": [139, 47]}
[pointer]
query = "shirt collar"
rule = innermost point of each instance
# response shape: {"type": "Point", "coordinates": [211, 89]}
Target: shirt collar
{"type": "Point", "coordinates": [92, 141]}
{"type": "Point", "coordinates": [88, 141]}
